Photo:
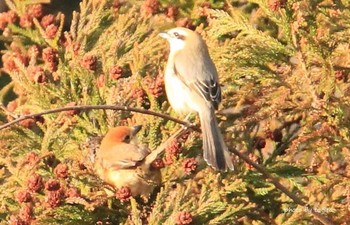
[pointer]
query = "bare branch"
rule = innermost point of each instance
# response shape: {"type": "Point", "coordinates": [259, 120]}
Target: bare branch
{"type": "Point", "coordinates": [104, 107]}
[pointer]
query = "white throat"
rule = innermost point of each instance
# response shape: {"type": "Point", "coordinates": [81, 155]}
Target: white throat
{"type": "Point", "coordinates": [176, 45]}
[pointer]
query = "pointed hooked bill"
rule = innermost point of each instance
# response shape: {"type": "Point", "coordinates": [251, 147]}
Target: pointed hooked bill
{"type": "Point", "coordinates": [136, 129]}
{"type": "Point", "coordinates": [164, 35]}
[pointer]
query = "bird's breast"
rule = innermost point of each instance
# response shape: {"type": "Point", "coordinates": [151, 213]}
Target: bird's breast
{"type": "Point", "coordinates": [177, 92]}
{"type": "Point", "coordinates": [131, 178]}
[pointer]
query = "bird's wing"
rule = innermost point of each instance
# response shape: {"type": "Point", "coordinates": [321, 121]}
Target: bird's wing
{"type": "Point", "coordinates": [199, 75]}
{"type": "Point", "coordinates": [124, 157]}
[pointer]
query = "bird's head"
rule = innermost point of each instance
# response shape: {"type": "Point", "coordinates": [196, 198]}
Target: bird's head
{"type": "Point", "coordinates": [181, 37]}
{"type": "Point", "coordinates": [121, 134]}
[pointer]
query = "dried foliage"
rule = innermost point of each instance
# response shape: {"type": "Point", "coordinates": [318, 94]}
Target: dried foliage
{"type": "Point", "coordinates": [284, 66]}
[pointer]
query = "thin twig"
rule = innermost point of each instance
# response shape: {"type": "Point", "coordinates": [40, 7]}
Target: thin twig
{"type": "Point", "coordinates": [278, 185]}
{"type": "Point", "coordinates": [105, 107]}
{"type": "Point", "coordinates": [153, 155]}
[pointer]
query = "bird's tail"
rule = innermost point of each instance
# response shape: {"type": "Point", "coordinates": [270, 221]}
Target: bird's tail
{"type": "Point", "coordinates": [215, 150]}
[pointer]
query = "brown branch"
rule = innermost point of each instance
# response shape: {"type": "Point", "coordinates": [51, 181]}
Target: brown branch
{"type": "Point", "coordinates": [104, 107]}
{"type": "Point", "coordinates": [278, 185]}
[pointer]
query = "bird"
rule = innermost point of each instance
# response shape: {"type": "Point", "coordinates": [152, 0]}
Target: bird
{"type": "Point", "coordinates": [121, 162]}
{"type": "Point", "coordinates": [192, 85]}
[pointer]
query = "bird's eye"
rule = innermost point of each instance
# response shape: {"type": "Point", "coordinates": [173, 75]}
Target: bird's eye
{"type": "Point", "coordinates": [127, 139]}
{"type": "Point", "coordinates": [176, 34]}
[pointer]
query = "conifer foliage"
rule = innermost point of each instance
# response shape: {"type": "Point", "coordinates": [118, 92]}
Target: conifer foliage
{"type": "Point", "coordinates": [284, 66]}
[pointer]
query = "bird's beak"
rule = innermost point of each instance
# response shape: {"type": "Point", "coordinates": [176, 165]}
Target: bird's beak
{"type": "Point", "coordinates": [164, 35]}
{"type": "Point", "coordinates": [136, 129]}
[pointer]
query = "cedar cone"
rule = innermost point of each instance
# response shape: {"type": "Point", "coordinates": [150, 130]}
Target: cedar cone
{"type": "Point", "coordinates": [3, 21]}
{"type": "Point", "coordinates": [150, 7]}
{"type": "Point", "coordinates": [61, 170]}
{"type": "Point", "coordinates": [26, 213]}
{"type": "Point", "coordinates": [174, 148]}
{"type": "Point", "coordinates": [26, 21]}
{"type": "Point", "coordinates": [51, 161]}
{"type": "Point", "coordinates": [171, 12]}
{"type": "Point", "coordinates": [339, 75]}
{"type": "Point", "coordinates": [277, 135]}
{"type": "Point", "coordinates": [9, 63]}
{"type": "Point", "coordinates": [50, 58]}
{"type": "Point", "coordinates": [52, 185]}
{"type": "Point", "coordinates": [172, 151]}
{"type": "Point", "coordinates": [35, 10]}
{"type": "Point", "coordinates": [32, 158]}
{"type": "Point", "coordinates": [259, 142]}
{"type": "Point", "coordinates": [123, 194]}
{"type": "Point", "coordinates": [116, 5]}
{"type": "Point", "coordinates": [47, 20]}
{"type": "Point", "coordinates": [157, 164]}
{"type": "Point", "coordinates": [6, 18]}
{"type": "Point", "coordinates": [51, 31]}
{"type": "Point", "coordinates": [50, 55]}
{"type": "Point", "coordinates": [11, 16]}
{"type": "Point", "coordinates": [116, 72]}
{"type": "Point", "coordinates": [189, 165]}
{"type": "Point", "coordinates": [35, 182]}
{"type": "Point", "coordinates": [89, 61]}
{"type": "Point", "coordinates": [54, 198]}
{"type": "Point", "coordinates": [184, 22]}
{"type": "Point", "coordinates": [275, 5]}
{"type": "Point", "coordinates": [156, 86]}
{"type": "Point", "coordinates": [138, 93]}
{"type": "Point", "coordinates": [23, 196]}
{"type": "Point", "coordinates": [183, 218]}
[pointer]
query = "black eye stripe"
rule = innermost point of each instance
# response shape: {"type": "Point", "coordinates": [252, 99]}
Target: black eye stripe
{"type": "Point", "coordinates": [179, 36]}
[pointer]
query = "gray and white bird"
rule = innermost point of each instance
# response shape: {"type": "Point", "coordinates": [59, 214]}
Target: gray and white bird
{"type": "Point", "coordinates": [191, 84]}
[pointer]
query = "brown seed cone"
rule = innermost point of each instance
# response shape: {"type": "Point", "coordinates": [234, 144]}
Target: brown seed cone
{"type": "Point", "coordinates": [35, 182]}
{"type": "Point", "coordinates": [189, 165]}
{"type": "Point", "coordinates": [52, 185]}
{"type": "Point", "coordinates": [123, 194]}
{"type": "Point", "coordinates": [61, 170]}
{"type": "Point", "coordinates": [183, 218]}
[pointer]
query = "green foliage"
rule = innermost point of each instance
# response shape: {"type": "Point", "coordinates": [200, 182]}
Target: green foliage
{"type": "Point", "coordinates": [284, 67]}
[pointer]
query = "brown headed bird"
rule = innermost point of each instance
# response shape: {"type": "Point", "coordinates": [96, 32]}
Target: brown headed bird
{"type": "Point", "coordinates": [121, 162]}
